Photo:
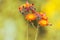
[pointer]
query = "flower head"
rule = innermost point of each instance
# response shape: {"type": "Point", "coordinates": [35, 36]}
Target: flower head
{"type": "Point", "coordinates": [44, 17]}
{"type": "Point", "coordinates": [30, 17]}
{"type": "Point", "coordinates": [43, 22]}
{"type": "Point", "coordinates": [27, 4]}
{"type": "Point", "coordinates": [20, 8]}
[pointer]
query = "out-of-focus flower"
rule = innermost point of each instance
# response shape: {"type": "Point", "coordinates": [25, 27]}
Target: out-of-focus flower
{"type": "Point", "coordinates": [43, 22]}
{"type": "Point", "coordinates": [30, 17]}
{"type": "Point", "coordinates": [27, 4]}
{"type": "Point", "coordinates": [44, 17]}
{"type": "Point", "coordinates": [42, 14]}
{"type": "Point", "coordinates": [20, 8]}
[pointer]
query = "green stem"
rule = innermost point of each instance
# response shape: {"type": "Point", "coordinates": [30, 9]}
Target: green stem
{"type": "Point", "coordinates": [27, 32]}
{"type": "Point", "coordinates": [33, 25]}
{"type": "Point", "coordinates": [36, 33]}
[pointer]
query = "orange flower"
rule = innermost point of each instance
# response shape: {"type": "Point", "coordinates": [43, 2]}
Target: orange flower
{"type": "Point", "coordinates": [44, 17]}
{"type": "Point", "coordinates": [27, 4]}
{"type": "Point", "coordinates": [20, 8]}
{"type": "Point", "coordinates": [41, 13]}
{"type": "Point", "coordinates": [43, 22]}
{"type": "Point", "coordinates": [30, 17]}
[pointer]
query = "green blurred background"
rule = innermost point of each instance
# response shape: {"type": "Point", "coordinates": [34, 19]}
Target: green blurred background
{"type": "Point", "coordinates": [12, 19]}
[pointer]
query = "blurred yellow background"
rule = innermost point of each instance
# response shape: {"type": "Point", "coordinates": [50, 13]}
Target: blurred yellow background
{"type": "Point", "coordinates": [12, 19]}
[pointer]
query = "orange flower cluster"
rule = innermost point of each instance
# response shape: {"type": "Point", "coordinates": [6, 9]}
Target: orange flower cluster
{"type": "Point", "coordinates": [27, 5]}
{"type": "Point", "coordinates": [43, 21]}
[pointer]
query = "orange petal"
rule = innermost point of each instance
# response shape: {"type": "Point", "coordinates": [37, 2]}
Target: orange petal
{"type": "Point", "coordinates": [20, 8]}
{"type": "Point", "coordinates": [43, 22]}
{"type": "Point", "coordinates": [44, 17]}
